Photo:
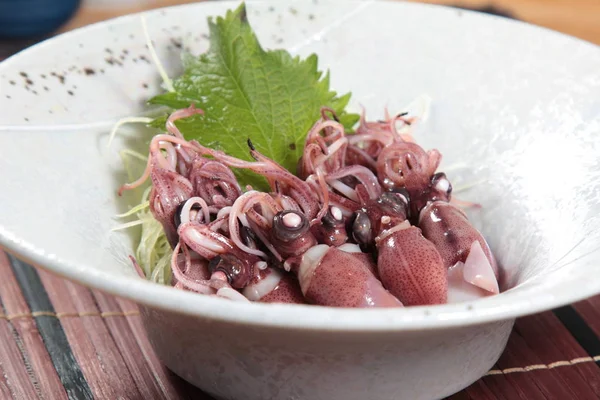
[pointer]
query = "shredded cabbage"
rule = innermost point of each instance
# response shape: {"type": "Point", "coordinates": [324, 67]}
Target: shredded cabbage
{"type": "Point", "coordinates": [153, 252]}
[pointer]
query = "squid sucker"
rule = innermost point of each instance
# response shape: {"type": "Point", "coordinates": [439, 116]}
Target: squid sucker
{"type": "Point", "coordinates": [366, 221]}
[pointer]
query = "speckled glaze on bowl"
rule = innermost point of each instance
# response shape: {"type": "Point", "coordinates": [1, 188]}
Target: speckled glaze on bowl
{"type": "Point", "coordinates": [516, 108]}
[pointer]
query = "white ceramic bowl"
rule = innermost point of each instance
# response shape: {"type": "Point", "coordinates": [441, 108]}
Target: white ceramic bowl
{"type": "Point", "coordinates": [518, 106]}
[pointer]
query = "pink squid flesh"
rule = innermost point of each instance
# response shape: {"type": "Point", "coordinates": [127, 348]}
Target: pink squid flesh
{"type": "Point", "coordinates": [169, 190]}
{"type": "Point", "coordinates": [460, 286]}
{"type": "Point", "coordinates": [214, 182]}
{"type": "Point", "coordinates": [447, 226]}
{"type": "Point", "coordinates": [405, 164]}
{"type": "Point", "coordinates": [332, 277]}
{"type": "Point", "coordinates": [237, 265]}
{"type": "Point", "coordinates": [332, 229]}
{"type": "Point", "coordinates": [197, 270]}
{"type": "Point", "coordinates": [365, 258]}
{"type": "Point", "coordinates": [411, 268]}
{"type": "Point", "coordinates": [274, 286]}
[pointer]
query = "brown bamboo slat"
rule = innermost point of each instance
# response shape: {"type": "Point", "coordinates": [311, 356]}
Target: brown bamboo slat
{"type": "Point", "coordinates": [95, 352]}
{"type": "Point", "coordinates": [141, 373]}
{"type": "Point", "coordinates": [34, 349]}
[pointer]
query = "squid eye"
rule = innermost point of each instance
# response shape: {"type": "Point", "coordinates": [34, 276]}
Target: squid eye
{"type": "Point", "coordinates": [396, 201]}
{"type": "Point", "coordinates": [361, 227]}
{"type": "Point", "coordinates": [232, 267]}
{"type": "Point", "coordinates": [289, 225]}
{"type": "Point", "coordinates": [440, 183]}
{"type": "Point", "coordinates": [248, 236]}
{"type": "Point", "coordinates": [334, 217]}
{"type": "Point", "coordinates": [177, 217]}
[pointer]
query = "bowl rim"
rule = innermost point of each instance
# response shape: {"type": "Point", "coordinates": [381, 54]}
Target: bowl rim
{"type": "Point", "coordinates": [304, 317]}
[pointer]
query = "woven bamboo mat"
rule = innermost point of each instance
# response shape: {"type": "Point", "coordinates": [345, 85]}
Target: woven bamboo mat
{"type": "Point", "coordinates": [59, 340]}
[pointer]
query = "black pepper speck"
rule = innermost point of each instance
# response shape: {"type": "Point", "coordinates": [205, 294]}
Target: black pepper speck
{"type": "Point", "coordinates": [43, 76]}
{"type": "Point", "coordinates": [8, 96]}
{"type": "Point", "coordinates": [12, 82]}
{"type": "Point", "coordinates": [26, 119]}
{"type": "Point", "coordinates": [176, 43]}
{"type": "Point", "coordinates": [46, 88]}
{"type": "Point", "coordinates": [70, 92]}
{"type": "Point", "coordinates": [23, 74]}
{"type": "Point", "coordinates": [112, 61]}
{"type": "Point", "coordinates": [28, 81]}
{"type": "Point", "coordinates": [145, 85]}
{"type": "Point", "coordinates": [89, 71]}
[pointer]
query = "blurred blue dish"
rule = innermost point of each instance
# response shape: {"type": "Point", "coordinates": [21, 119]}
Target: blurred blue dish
{"type": "Point", "coordinates": [28, 18]}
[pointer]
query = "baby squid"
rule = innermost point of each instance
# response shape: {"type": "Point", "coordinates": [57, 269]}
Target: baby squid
{"type": "Point", "coordinates": [332, 277]}
{"type": "Point", "coordinates": [447, 226]}
{"type": "Point", "coordinates": [327, 275]}
{"type": "Point", "coordinates": [332, 229]}
{"type": "Point", "coordinates": [408, 264]}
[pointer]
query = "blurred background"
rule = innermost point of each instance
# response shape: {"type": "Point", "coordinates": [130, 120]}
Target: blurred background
{"type": "Point", "coordinates": [25, 22]}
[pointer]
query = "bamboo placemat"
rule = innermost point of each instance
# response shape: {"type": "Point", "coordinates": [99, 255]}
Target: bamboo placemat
{"type": "Point", "coordinates": [59, 340]}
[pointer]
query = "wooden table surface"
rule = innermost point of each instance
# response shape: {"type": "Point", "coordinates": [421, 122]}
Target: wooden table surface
{"type": "Point", "coordinates": [580, 18]}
